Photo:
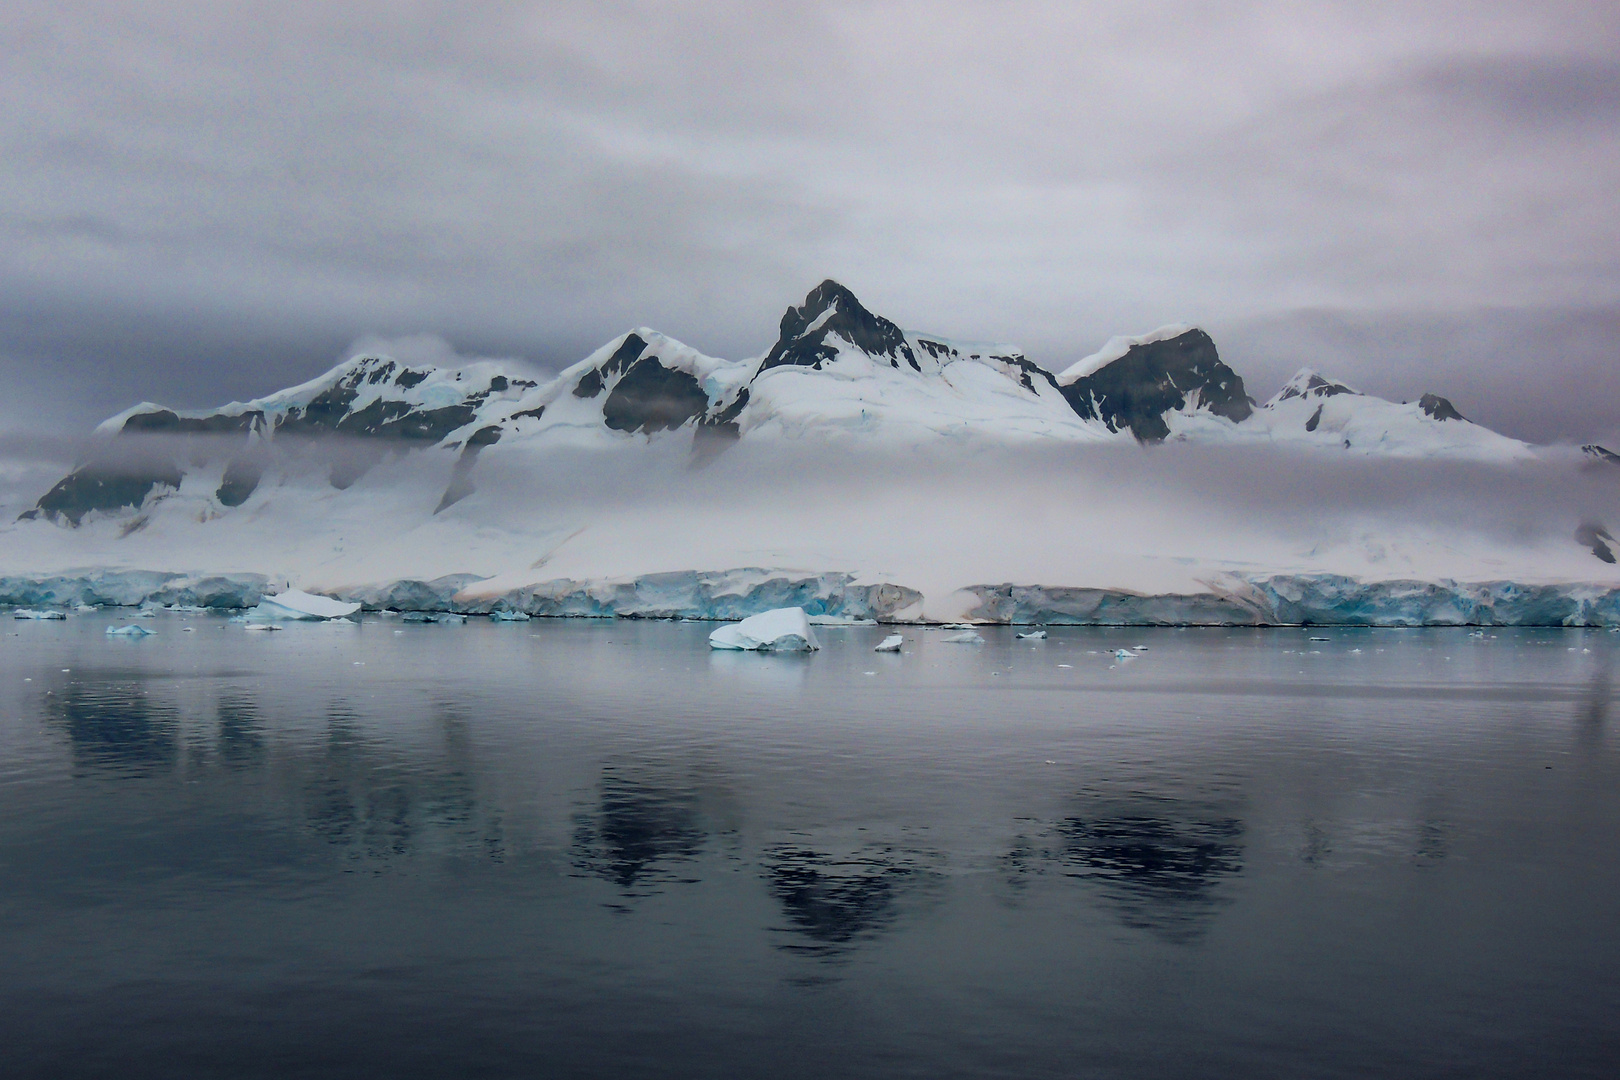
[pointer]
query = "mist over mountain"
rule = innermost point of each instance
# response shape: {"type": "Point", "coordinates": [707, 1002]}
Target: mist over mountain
{"type": "Point", "coordinates": [887, 458]}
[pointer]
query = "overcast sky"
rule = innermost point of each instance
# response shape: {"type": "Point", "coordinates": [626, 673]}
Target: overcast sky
{"type": "Point", "coordinates": [210, 201]}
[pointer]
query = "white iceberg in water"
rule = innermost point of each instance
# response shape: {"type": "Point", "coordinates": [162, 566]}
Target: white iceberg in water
{"type": "Point", "coordinates": [30, 613]}
{"type": "Point", "coordinates": [509, 616]}
{"type": "Point", "coordinates": [294, 604]}
{"type": "Point", "coordinates": [1033, 635]}
{"type": "Point", "coordinates": [966, 637]}
{"type": "Point", "coordinates": [129, 631]}
{"type": "Point", "coordinates": [262, 626]}
{"type": "Point", "coordinates": [782, 630]}
{"type": "Point", "coordinates": [890, 644]}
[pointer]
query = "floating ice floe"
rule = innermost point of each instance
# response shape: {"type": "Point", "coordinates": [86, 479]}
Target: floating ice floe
{"type": "Point", "coordinates": [296, 604]}
{"type": "Point", "coordinates": [891, 643]}
{"type": "Point", "coordinates": [31, 613]}
{"type": "Point", "coordinates": [781, 630]}
{"type": "Point", "coordinates": [966, 637]}
{"type": "Point", "coordinates": [509, 616]}
{"type": "Point", "coordinates": [840, 620]}
{"type": "Point", "coordinates": [445, 618]}
{"type": "Point", "coordinates": [1124, 654]}
{"type": "Point", "coordinates": [146, 613]}
{"type": "Point", "coordinates": [263, 626]}
{"type": "Point", "coordinates": [1033, 635]}
{"type": "Point", "coordinates": [129, 631]}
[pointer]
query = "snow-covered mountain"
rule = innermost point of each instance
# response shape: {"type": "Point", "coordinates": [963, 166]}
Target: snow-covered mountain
{"type": "Point", "coordinates": [854, 466]}
{"type": "Point", "coordinates": [836, 372]}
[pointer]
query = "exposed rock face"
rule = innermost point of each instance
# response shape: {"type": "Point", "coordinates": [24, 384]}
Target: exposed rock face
{"type": "Point", "coordinates": [1592, 535]}
{"type": "Point", "coordinates": [831, 310]}
{"type": "Point", "coordinates": [1439, 408]}
{"type": "Point", "coordinates": [1157, 377]}
{"type": "Point", "coordinates": [1600, 454]}
{"type": "Point", "coordinates": [651, 397]}
{"type": "Point", "coordinates": [103, 485]}
{"type": "Point", "coordinates": [1310, 384]}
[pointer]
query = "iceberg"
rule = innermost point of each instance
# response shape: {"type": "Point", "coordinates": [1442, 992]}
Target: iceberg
{"type": "Point", "coordinates": [890, 644]}
{"type": "Point", "coordinates": [294, 604]}
{"type": "Point", "coordinates": [509, 616]}
{"type": "Point", "coordinates": [262, 626]}
{"type": "Point", "coordinates": [128, 631]}
{"type": "Point", "coordinates": [965, 637]}
{"type": "Point", "coordinates": [781, 630]}
{"type": "Point", "coordinates": [32, 613]}
{"type": "Point", "coordinates": [1033, 635]}
{"type": "Point", "coordinates": [445, 618]}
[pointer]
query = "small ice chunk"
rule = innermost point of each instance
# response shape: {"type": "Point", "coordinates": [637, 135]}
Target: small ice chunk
{"type": "Point", "coordinates": [147, 613]}
{"type": "Point", "coordinates": [840, 620]}
{"type": "Point", "coordinates": [779, 630]}
{"type": "Point", "coordinates": [509, 616]}
{"type": "Point", "coordinates": [1321, 639]}
{"type": "Point", "coordinates": [262, 626]}
{"type": "Point", "coordinates": [1140, 648]}
{"type": "Point", "coordinates": [966, 637]}
{"type": "Point", "coordinates": [1066, 665]}
{"type": "Point", "coordinates": [890, 644]}
{"type": "Point", "coordinates": [30, 613]}
{"type": "Point", "coordinates": [129, 631]}
{"type": "Point", "coordinates": [1124, 654]}
{"type": "Point", "coordinates": [1033, 635]}
{"type": "Point", "coordinates": [85, 607]}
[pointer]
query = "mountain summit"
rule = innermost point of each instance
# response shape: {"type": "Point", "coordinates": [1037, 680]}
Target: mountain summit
{"type": "Point", "coordinates": [836, 371]}
{"type": "Point", "coordinates": [832, 311]}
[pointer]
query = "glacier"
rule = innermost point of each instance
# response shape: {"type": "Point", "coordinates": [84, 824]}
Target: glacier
{"type": "Point", "coordinates": [1285, 600]}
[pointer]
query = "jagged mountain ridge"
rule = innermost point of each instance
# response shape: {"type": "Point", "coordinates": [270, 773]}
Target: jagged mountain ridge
{"type": "Point", "coordinates": [835, 369]}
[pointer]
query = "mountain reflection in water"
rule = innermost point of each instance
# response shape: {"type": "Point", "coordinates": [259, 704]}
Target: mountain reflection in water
{"type": "Point", "coordinates": [1159, 860]}
{"type": "Point", "coordinates": [643, 826]}
{"type": "Point", "coordinates": [832, 902]}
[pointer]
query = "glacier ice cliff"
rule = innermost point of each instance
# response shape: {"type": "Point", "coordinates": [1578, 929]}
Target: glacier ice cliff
{"type": "Point", "coordinates": [1278, 600]}
{"type": "Point", "coordinates": [1307, 600]}
{"type": "Point", "coordinates": [132, 588]}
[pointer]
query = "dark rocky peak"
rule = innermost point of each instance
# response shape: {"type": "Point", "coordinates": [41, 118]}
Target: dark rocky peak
{"type": "Point", "coordinates": [375, 370]}
{"type": "Point", "coordinates": [629, 351]}
{"type": "Point", "coordinates": [1600, 454]}
{"type": "Point", "coordinates": [643, 396]}
{"type": "Point", "coordinates": [832, 310]}
{"type": "Point", "coordinates": [1154, 377]}
{"type": "Point", "coordinates": [1308, 383]}
{"type": "Point", "coordinates": [1439, 408]}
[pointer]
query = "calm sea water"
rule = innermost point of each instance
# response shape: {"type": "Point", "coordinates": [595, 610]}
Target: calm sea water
{"type": "Point", "coordinates": [600, 849]}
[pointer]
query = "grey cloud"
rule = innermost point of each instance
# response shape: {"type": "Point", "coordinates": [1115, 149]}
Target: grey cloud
{"type": "Point", "coordinates": [200, 199]}
{"type": "Point", "coordinates": [1531, 90]}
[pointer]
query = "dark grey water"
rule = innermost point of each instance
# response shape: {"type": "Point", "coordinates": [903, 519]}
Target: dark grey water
{"type": "Point", "coordinates": [599, 849]}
